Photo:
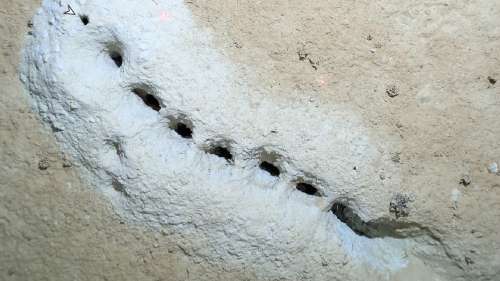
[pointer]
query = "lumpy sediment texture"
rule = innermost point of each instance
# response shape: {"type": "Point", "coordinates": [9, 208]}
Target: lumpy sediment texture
{"type": "Point", "coordinates": [161, 124]}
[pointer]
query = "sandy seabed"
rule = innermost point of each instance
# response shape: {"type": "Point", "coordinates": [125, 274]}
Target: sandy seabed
{"type": "Point", "coordinates": [422, 73]}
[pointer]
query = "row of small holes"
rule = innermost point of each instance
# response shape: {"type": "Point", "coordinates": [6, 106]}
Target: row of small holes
{"type": "Point", "coordinates": [186, 131]}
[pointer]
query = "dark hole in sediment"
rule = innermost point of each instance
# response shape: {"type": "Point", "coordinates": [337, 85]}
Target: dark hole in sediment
{"type": "Point", "coordinates": [307, 188]}
{"type": "Point", "coordinates": [382, 227]}
{"type": "Point", "coordinates": [347, 216]}
{"type": "Point", "coordinates": [148, 99]}
{"type": "Point", "coordinates": [84, 19]}
{"type": "Point", "coordinates": [492, 80]}
{"type": "Point", "coordinates": [116, 57]}
{"type": "Point", "coordinates": [270, 168]}
{"type": "Point", "coordinates": [183, 130]}
{"type": "Point", "coordinates": [222, 152]}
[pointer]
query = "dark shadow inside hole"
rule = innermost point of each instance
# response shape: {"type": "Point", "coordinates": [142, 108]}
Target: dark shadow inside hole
{"type": "Point", "coordinates": [116, 57]}
{"type": "Point", "coordinates": [148, 99]}
{"type": "Point", "coordinates": [270, 168]}
{"type": "Point", "coordinates": [307, 189]}
{"type": "Point", "coordinates": [183, 130]}
{"type": "Point", "coordinates": [84, 19]}
{"type": "Point", "coordinates": [222, 152]}
{"type": "Point", "coordinates": [347, 216]}
{"type": "Point", "coordinates": [492, 80]}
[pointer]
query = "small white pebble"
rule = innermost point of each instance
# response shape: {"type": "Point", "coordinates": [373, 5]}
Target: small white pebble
{"type": "Point", "coordinates": [493, 168]}
{"type": "Point", "coordinates": [455, 197]}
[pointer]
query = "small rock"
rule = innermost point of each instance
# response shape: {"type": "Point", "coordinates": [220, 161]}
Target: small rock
{"type": "Point", "coordinates": [399, 205]}
{"type": "Point", "coordinates": [455, 197]}
{"type": "Point", "coordinates": [43, 164]}
{"type": "Point", "coordinates": [314, 63]}
{"type": "Point", "coordinates": [492, 80]}
{"type": "Point", "coordinates": [392, 91]}
{"type": "Point", "coordinates": [468, 260]}
{"type": "Point", "coordinates": [465, 180]}
{"type": "Point", "coordinates": [437, 154]}
{"type": "Point", "coordinates": [66, 163]}
{"type": "Point", "coordinates": [493, 168]}
{"type": "Point", "coordinates": [369, 37]}
{"type": "Point", "coordinates": [396, 157]}
{"type": "Point", "coordinates": [302, 55]}
{"type": "Point", "coordinates": [11, 272]}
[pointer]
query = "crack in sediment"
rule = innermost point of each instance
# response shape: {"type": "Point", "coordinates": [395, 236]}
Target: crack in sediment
{"type": "Point", "coordinates": [378, 228]}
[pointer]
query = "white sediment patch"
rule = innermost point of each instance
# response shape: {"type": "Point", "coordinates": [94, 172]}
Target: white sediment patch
{"type": "Point", "coordinates": [82, 78]}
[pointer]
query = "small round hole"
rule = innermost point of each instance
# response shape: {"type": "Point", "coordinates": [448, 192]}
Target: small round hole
{"type": "Point", "coordinates": [84, 19]}
{"type": "Point", "coordinates": [116, 57]}
{"type": "Point", "coordinates": [270, 168]}
{"type": "Point", "coordinates": [181, 125]}
{"type": "Point", "coordinates": [148, 99]}
{"type": "Point", "coordinates": [307, 189]}
{"type": "Point", "coordinates": [222, 152]}
{"type": "Point", "coordinates": [183, 130]}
